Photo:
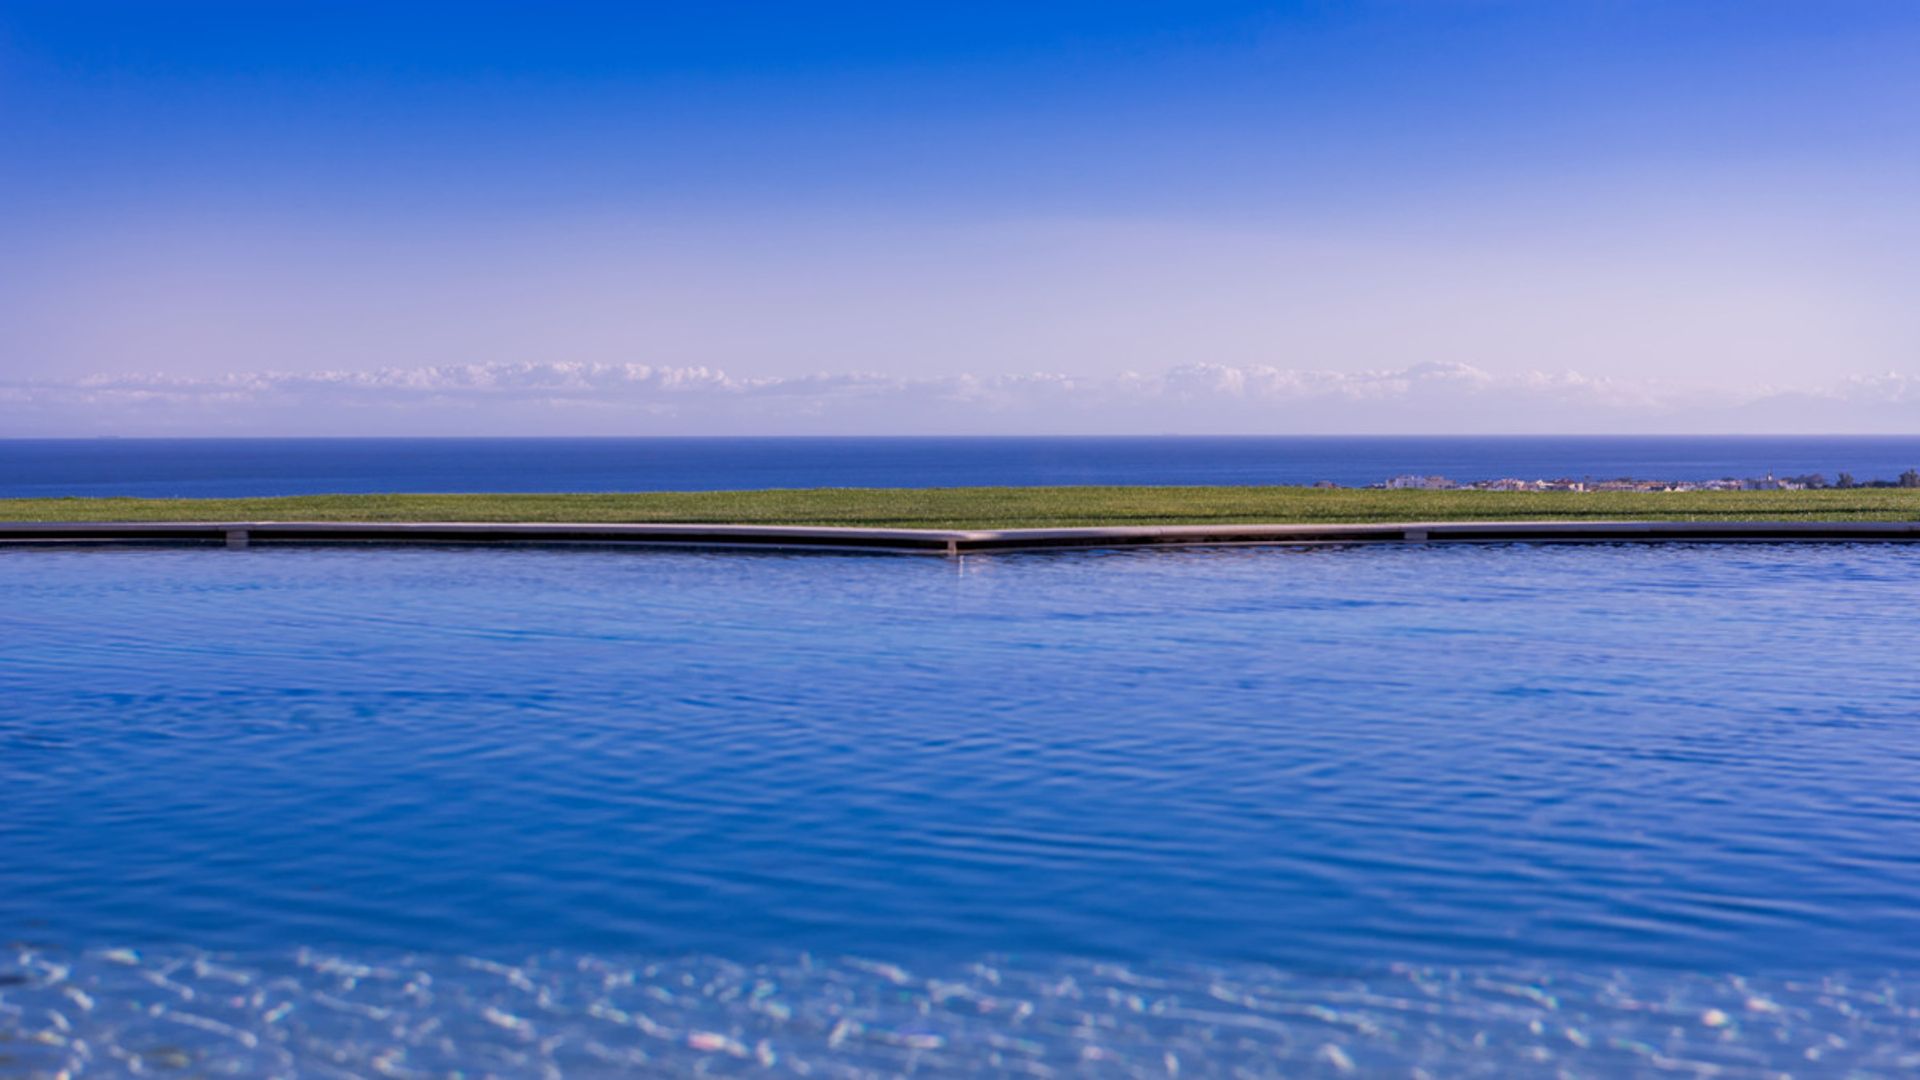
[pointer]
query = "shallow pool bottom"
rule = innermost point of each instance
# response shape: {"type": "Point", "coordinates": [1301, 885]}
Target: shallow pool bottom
{"type": "Point", "coordinates": [129, 1011]}
{"type": "Point", "coordinates": [179, 1011]}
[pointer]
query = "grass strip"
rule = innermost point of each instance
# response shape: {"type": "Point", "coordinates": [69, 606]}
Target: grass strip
{"type": "Point", "coordinates": [1007, 508]}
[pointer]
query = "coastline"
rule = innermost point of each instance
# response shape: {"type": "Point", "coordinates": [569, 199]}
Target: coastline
{"type": "Point", "coordinates": [955, 521]}
{"type": "Point", "coordinates": [999, 508]}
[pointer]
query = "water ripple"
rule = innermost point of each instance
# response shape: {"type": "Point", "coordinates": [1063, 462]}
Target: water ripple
{"type": "Point", "coordinates": [1690, 757]}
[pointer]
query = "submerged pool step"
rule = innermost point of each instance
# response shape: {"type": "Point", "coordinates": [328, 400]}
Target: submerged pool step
{"type": "Point", "coordinates": [243, 534]}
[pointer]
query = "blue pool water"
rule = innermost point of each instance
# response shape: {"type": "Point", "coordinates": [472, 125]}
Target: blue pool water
{"type": "Point", "coordinates": [1493, 810]}
{"type": "Point", "coordinates": [249, 467]}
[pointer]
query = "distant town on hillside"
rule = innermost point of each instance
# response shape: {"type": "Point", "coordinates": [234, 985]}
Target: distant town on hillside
{"type": "Point", "coordinates": [1769, 482]}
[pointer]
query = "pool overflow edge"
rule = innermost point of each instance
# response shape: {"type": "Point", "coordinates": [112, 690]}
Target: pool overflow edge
{"type": "Point", "coordinates": [950, 543]}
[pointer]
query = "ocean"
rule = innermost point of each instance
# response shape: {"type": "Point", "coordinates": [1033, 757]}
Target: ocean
{"type": "Point", "coordinates": [262, 467]}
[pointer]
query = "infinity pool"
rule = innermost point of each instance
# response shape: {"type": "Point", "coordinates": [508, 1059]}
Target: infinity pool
{"type": "Point", "coordinates": [1488, 810]}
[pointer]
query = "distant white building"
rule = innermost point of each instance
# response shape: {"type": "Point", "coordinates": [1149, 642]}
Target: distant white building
{"type": "Point", "coordinates": [1422, 483]}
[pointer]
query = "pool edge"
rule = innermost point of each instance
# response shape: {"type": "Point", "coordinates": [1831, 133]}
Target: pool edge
{"type": "Point", "coordinates": [944, 542]}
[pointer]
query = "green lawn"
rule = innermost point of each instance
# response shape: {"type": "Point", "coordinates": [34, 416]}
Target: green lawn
{"type": "Point", "coordinates": [1004, 507]}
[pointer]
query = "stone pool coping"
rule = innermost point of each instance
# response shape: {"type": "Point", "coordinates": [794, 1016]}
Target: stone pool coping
{"type": "Point", "coordinates": [949, 542]}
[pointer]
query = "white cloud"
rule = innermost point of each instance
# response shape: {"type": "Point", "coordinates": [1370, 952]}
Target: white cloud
{"type": "Point", "coordinates": [591, 398]}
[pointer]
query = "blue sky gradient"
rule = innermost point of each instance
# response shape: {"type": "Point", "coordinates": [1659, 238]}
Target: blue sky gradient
{"type": "Point", "coordinates": [628, 218]}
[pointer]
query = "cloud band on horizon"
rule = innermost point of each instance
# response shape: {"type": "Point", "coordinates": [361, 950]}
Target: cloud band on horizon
{"type": "Point", "coordinates": [1193, 398]}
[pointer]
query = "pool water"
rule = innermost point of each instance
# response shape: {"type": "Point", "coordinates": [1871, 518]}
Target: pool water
{"type": "Point", "coordinates": [1369, 809]}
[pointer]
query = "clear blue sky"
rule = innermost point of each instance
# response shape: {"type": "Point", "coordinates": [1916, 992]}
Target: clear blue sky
{"type": "Point", "coordinates": [624, 218]}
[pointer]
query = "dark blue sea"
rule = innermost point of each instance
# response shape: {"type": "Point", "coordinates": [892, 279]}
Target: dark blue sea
{"type": "Point", "coordinates": [1499, 811]}
{"type": "Point", "coordinates": [245, 467]}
